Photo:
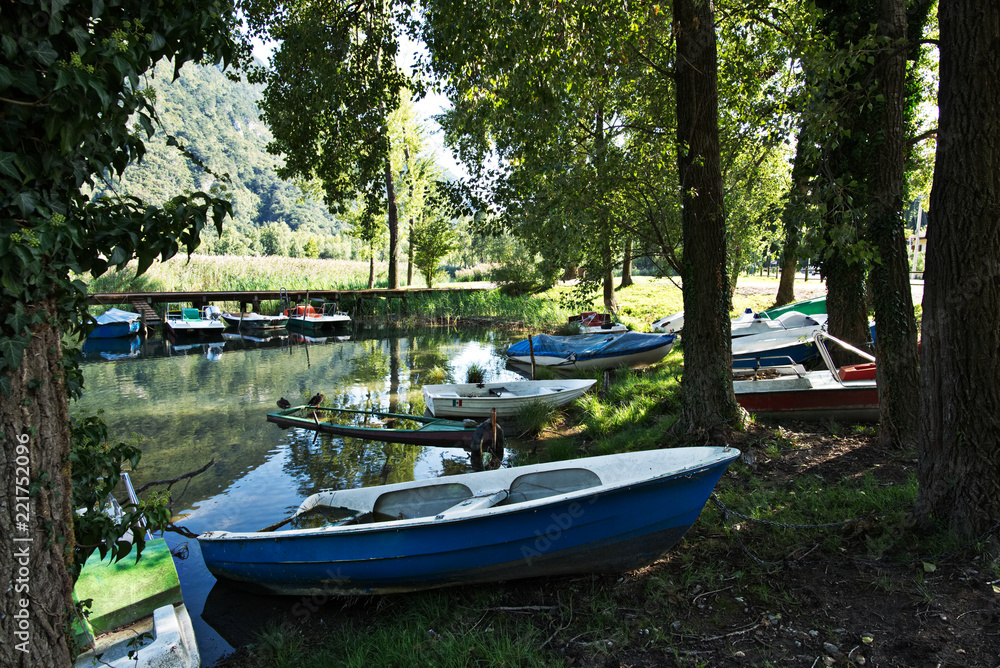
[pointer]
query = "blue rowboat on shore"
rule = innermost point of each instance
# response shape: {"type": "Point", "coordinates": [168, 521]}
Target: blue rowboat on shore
{"type": "Point", "coordinates": [599, 514]}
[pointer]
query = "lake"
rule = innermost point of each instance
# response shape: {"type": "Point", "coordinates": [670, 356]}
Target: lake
{"type": "Point", "coordinates": [194, 403]}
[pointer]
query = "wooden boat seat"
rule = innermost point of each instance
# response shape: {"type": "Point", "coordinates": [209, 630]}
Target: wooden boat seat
{"type": "Point", "coordinates": [857, 372]}
{"type": "Point", "coordinates": [473, 504]}
{"type": "Point", "coordinates": [426, 501]}
{"type": "Point", "coordinates": [531, 486]}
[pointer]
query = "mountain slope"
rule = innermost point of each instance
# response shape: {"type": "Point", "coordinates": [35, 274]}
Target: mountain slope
{"type": "Point", "coordinates": [218, 121]}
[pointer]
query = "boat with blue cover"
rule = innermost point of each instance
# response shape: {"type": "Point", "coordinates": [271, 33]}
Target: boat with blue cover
{"type": "Point", "coordinates": [592, 351]}
{"type": "Point", "coordinates": [114, 323]}
{"type": "Point", "coordinates": [597, 514]}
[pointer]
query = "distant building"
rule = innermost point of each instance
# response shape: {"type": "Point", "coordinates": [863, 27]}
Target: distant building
{"type": "Point", "coordinates": [916, 245]}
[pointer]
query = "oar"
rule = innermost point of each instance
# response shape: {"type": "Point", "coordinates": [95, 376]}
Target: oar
{"type": "Point", "coordinates": [278, 525]}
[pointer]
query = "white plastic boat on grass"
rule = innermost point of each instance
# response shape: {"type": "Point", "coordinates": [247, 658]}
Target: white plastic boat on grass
{"type": "Point", "coordinates": [591, 322]}
{"type": "Point", "coordinates": [477, 400]}
{"type": "Point", "coordinates": [790, 320]}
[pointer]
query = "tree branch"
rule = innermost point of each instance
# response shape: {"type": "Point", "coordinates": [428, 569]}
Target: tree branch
{"type": "Point", "coordinates": [170, 483]}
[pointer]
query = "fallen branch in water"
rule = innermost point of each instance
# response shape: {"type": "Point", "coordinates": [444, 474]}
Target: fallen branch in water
{"type": "Point", "coordinates": [169, 483]}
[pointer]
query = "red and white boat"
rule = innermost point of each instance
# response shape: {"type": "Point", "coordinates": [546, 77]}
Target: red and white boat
{"type": "Point", "coordinates": [592, 322]}
{"type": "Point", "coordinates": [847, 393]}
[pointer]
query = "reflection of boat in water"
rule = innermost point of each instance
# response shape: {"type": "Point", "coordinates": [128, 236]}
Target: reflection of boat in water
{"type": "Point", "coordinates": [596, 514]}
{"type": "Point", "coordinates": [257, 339]}
{"type": "Point", "coordinates": [296, 337]}
{"type": "Point", "coordinates": [111, 349]}
{"type": "Point", "coordinates": [237, 615]}
{"type": "Point", "coordinates": [211, 349]}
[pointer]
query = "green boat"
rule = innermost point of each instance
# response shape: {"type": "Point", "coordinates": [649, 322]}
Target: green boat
{"type": "Point", "coordinates": [806, 307]}
{"type": "Point", "coordinates": [377, 426]}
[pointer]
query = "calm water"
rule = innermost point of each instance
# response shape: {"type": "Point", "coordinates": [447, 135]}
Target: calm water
{"type": "Point", "coordinates": [197, 403]}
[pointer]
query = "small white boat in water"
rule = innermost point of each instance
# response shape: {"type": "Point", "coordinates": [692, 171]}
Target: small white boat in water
{"type": "Point", "coordinates": [477, 400]}
{"type": "Point", "coordinates": [318, 315]}
{"type": "Point", "coordinates": [255, 321]}
{"type": "Point", "coordinates": [184, 322]}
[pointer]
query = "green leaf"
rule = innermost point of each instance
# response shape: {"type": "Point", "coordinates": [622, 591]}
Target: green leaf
{"type": "Point", "coordinates": [18, 319]}
{"type": "Point", "coordinates": [12, 349]}
{"type": "Point", "coordinates": [26, 201]}
{"type": "Point", "coordinates": [8, 166]}
{"type": "Point", "coordinates": [42, 52]}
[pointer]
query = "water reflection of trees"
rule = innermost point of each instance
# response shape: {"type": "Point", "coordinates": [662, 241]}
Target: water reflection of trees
{"type": "Point", "coordinates": [325, 461]}
{"type": "Point", "coordinates": [189, 409]}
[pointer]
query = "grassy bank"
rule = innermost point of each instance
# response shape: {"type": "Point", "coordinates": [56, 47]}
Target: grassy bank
{"type": "Point", "coordinates": [804, 557]}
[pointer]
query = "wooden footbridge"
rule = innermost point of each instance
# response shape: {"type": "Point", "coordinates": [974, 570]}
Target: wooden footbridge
{"type": "Point", "coordinates": [144, 302]}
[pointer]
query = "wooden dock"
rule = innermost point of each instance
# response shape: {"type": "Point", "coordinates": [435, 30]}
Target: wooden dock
{"type": "Point", "coordinates": [143, 302]}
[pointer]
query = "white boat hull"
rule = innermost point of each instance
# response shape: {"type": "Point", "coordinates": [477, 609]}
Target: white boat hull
{"type": "Point", "coordinates": [477, 400]}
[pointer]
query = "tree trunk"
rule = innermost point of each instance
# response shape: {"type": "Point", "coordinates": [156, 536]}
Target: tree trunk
{"type": "Point", "coordinates": [896, 340]}
{"type": "Point", "coordinates": [791, 219]}
{"type": "Point", "coordinates": [409, 256]}
{"type": "Point", "coordinates": [390, 192]}
{"type": "Point", "coordinates": [627, 265]}
{"type": "Point", "coordinates": [371, 266]}
{"type": "Point", "coordinates": [708, 399]}
{"type": "Point", "coordinates": [409, 248]}
{"type": "Point", "coordinates": [36, 520]}
{"type": "Point", "coordinates": [846, 305]}
{"type": "Point", "coordinates": [959, 438]}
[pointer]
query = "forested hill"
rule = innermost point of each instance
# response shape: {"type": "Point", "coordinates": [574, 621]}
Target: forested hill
{"type": "Point", "coordinates": [218, 121]}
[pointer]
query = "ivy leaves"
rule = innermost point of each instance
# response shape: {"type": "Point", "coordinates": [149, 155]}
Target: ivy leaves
{"type": "Point", "coordinates": [71, 82]}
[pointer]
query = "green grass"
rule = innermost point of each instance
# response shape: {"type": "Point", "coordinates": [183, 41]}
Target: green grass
{"type": "Point", "coordinates": [420, 630]}
{"type": "Point", "coordinates": [222, 272]}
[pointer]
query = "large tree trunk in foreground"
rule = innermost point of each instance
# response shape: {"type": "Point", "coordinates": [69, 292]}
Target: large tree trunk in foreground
{"type": "Point", "coordinates": [708, 399]}
{"type": "Point", "coordinates": [36, 531]}
{"type": "Point", "coordinates": [959, 439]}
{"type": "Point", "coordinates": [896, 341]}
